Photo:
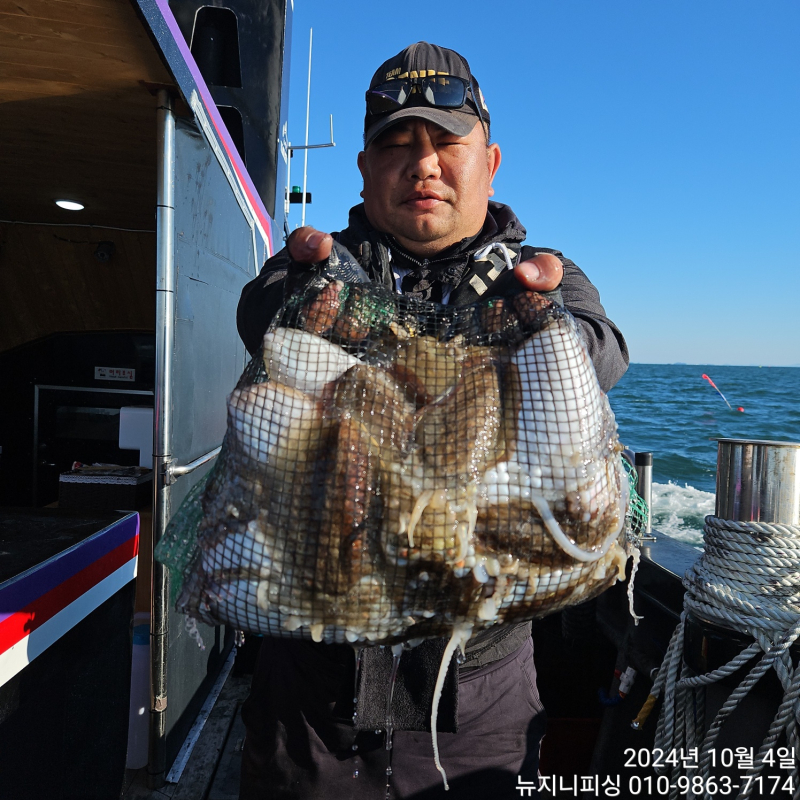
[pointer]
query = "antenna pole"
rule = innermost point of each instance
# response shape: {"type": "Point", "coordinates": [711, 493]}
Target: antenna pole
{"type": "Point", "coordinates": [308, 107]}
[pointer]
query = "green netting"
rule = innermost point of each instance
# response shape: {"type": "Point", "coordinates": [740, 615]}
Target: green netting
{"type": "Point", "coordinates": [638, 513]}
{"type": "Point", "coordinates": [178, 548]}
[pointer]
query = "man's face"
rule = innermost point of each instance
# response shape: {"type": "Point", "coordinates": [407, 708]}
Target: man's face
{"type": "Point", "coordinates": [426, 187]}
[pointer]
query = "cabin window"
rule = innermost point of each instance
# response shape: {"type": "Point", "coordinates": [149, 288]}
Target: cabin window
{"type": "Point", "coordinates": [233, 122]}
{"type": "Point", "coordinates": [215, 46]}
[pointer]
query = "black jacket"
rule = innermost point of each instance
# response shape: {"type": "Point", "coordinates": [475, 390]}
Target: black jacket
{"type": "Point", "coordinates": [455, 267]}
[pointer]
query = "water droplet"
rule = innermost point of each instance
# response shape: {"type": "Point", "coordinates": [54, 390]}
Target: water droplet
{"type": "Point", "coordinates": [354, 747]}
{"type": "Point", "coordinates": [355, 773]}
{"type": "Point", "coordinates": [378, 730]}
{"type": "Point", "coordinates": [355, 700]}
{"type": "Point", "coordinates": [389, 771]}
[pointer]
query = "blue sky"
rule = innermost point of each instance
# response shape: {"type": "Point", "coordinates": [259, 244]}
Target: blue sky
{"type": "Point", "coordinates": [655, 143]}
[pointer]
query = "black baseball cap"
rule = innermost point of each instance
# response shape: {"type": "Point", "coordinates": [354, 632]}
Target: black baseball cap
{"type": "Point", "coordinates": [422, 62]}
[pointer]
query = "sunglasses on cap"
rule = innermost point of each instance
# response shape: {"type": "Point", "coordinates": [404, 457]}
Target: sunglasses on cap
{"type": "Point", "coordinates": [439, 91]}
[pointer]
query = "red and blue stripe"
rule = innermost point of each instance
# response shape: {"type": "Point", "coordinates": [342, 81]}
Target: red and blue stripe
{"type": "Point", "coordinates": [40, 605]}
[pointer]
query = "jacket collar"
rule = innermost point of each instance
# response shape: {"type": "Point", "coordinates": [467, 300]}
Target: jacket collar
{"type": "Point", "coordinates": [449, 266]}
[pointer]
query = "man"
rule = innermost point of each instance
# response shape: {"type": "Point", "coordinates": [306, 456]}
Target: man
{"type": "Point", "coordinates": [428, 229]}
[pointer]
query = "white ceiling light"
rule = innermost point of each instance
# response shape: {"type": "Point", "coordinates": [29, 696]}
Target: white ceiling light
{"type": "Point", "coordinates": [69, 205]}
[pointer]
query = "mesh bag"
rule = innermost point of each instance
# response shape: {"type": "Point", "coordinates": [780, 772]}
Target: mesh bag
{"type": "Point", "coordinates": [394, 469]}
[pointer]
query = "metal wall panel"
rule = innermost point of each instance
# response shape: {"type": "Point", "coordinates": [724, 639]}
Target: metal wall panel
{"type": "Point", "coordinates": [213, 234]}
{"type": "Point", "coordinates": [214, 257]}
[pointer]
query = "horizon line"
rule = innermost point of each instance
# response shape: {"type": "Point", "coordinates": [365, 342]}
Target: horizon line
{"type": "Point", "coordinates": [709, 364]}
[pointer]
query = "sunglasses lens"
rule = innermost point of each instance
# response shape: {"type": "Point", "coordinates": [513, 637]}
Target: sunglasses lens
{"type": "Point", "coordinates": [387, 97]}
{"type": "Point", "coordinates": [444, 91]}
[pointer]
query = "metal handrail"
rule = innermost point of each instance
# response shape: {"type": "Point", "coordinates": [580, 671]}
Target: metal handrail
{"type": "Point", "coordinates": [173, 472]}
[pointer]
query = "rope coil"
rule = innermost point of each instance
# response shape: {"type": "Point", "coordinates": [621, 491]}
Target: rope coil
{"type": "Point", "coordinates": [747, 580]}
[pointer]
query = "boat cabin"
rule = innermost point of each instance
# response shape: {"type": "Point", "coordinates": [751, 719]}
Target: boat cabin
{"type": "Point", "coordinates": [143, 164]}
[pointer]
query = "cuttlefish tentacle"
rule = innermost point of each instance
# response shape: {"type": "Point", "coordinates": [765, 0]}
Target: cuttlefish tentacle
{"type": "Point", "coordinates": [421, 503]}
{"type": "Point", "coordinates": [459, 638]}
{"type": "Point", "coordinates": [561, 538]}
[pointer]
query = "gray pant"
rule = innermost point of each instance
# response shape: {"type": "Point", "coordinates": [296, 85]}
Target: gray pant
{"type": "Point", "coordinates": [301, 743]}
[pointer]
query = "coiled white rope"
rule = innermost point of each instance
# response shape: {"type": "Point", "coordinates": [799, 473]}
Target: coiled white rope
{"type": "Point", "coordinates": [747, 580]}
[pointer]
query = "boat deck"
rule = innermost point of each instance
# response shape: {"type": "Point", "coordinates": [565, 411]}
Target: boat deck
{"type": "Point", "coordinates": [212, 771]}
{"type": "Point", "coordinates": [568, 689]}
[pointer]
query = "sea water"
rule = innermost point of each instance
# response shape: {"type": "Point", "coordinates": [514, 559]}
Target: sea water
{"type": "Point", "coordinates": [672, 411]}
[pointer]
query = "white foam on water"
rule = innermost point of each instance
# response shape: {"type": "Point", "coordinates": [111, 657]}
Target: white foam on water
{"type": "Point", "coordinates": [679, 511]}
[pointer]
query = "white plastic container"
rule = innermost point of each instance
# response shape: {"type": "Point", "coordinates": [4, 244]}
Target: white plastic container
{"type": "Point", "coordinates": [139, 715]}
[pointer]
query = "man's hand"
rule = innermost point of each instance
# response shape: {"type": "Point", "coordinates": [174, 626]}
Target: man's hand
{"type": "Point", "coordinates": [542, 273]}
{"type": "Point", "coordinates": [308, 245]}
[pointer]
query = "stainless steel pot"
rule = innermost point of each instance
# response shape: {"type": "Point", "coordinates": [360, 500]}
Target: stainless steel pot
{"type": "Point", "coordinates": [758, 481]}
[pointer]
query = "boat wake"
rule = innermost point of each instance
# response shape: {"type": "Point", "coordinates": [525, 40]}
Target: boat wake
{"type": "Point", "coordinates": [679, 511]}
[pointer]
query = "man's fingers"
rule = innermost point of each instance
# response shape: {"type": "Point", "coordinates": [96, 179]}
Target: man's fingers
{"type": "Point", "coordinates": [308, 245]}
{"type": "Point", "coordinates": [542, 273]}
